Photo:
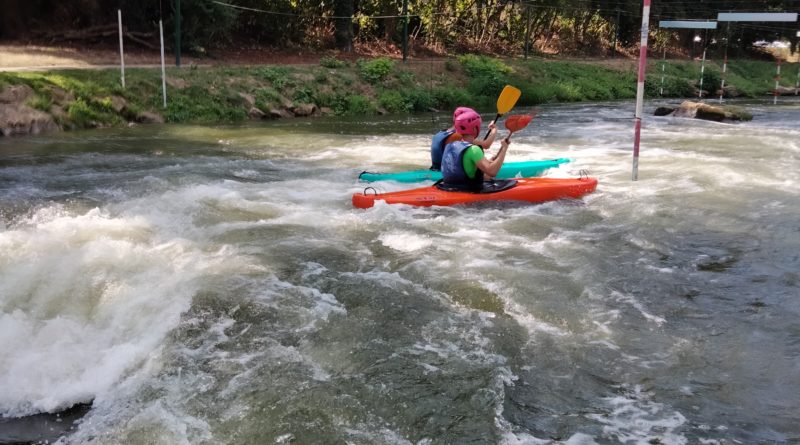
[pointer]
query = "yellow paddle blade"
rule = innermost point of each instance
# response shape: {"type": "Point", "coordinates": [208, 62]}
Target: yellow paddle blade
{"type": "Point", "coordinates": [507, 99]}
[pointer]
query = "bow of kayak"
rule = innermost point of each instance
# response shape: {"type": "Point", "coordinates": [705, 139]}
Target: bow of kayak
{"type": "Point", "coordinates": [522, 169]}
{"type": "Point", "coordinates": [532, 190]}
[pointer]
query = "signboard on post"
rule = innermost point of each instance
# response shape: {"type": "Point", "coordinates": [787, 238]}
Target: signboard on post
{"type": "Point", "coordinates": [687, 24]}
{"type": "Point", "coordinates": [757, 17]}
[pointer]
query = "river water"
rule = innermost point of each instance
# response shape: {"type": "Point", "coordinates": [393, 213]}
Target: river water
{"type": "Point", "coordinates": [188, 284]}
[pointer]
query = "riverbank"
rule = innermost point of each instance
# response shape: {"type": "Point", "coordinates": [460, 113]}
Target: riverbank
{"type": "Point", "coordinates": [69, 98]}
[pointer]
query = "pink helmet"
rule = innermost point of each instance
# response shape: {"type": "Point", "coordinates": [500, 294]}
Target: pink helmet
{"type": "Point", "coordinates": [468, 123]}
{"type": "Point", "coordinates": [458, 112]}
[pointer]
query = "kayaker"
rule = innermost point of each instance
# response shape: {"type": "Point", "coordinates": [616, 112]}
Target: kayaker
{"type": "Point", "coordinates": [444, 137]}
{"type": "Point", "coordinates": [464, 164]}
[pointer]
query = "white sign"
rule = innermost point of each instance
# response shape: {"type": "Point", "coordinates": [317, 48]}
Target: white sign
{"type": "Point", "coordinates": [757, 17]}
{"type": "Point", "coordinates": [687, 24]}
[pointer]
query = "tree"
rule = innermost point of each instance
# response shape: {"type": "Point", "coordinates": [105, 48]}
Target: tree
{"type": "Point", "coordinates": [343, 24]}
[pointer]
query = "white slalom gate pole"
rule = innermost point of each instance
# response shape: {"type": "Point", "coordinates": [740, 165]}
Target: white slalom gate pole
{"type": "Point", "coordinates": [637, 126]}
{"type": "Point", "coordinates": [777, 82]}
{"type": "Point", "coordinates": [702, 71]}
{"type": "Point", "coordinates": [163, 72]}
{"type": "Point", "coordinates": [121, 52]}
{"type": "Point", "coordinates": [797, 84]}
{"type": "Point", "coordinates": [724, 69]}
{"type": "Point", "coordinates": [663, 68]}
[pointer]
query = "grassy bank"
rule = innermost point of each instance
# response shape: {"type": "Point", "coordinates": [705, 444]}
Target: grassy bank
{"type": "Point", "coordinates": [91, 98]}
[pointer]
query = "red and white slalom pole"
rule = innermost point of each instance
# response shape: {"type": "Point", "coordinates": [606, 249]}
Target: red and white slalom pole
{"type": "Point", "coordinates": [637, 128]}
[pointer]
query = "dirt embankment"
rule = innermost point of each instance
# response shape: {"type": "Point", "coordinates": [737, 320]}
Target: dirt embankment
{"type": "Point", "coordinates": [16, 118]}
{"type": "Point", "coordinates": [22, 57]}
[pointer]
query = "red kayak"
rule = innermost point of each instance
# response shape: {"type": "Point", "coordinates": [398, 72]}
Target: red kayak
{"type": "Point", "coordinates": [525, 189]}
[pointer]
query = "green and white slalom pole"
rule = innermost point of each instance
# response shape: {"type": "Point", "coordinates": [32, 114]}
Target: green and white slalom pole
{"type": "Point", "coordinates": [637, 128]}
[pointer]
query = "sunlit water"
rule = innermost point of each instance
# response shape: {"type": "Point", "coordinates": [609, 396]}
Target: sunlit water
{"type": "Point", "coordinates": [214, 285]}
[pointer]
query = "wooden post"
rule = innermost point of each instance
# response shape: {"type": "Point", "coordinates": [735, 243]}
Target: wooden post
{"type": "Point", "coordinates": [121, 52]}
{"type": "Point", "coordinates": [637, 126]}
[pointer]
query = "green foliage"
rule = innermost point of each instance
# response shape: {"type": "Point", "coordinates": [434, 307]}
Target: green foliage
{"type": "Point", "coordinates": [320, 77]}
{"type": "Point", "coordinates": [712, 81]}
{"type": "Point", "coordinates": [479, 66]}
{"type": "Point", "coordinates": [85, 115]}
{"type": "Point", "coordinates": [212, 94]}
{"type": "Point", "coordinates": [451, 97]}
{"type": "Point", "coordinates": [405, 78]}
{"type": "Point", "coordinates": [487, 76]}
{"type": "Point", "coordinates": [394, 102]}
{"type": "Point", "coordinates": [358, 105]}
{"type": "Point", "coordinates": [451, 26]}
{"type": "Point", "coordinates": [204, 24]}
{"type": "Point", "coordinates": [40, 102]}
{"type": "Point", "coordinates": [266, 98]}
{"type": "Point", "coordinates": [332, 62]}
{"type": "Point", "coordinates": [196, 104]}
{"type": "Point", "coordinates": [375, 70]}
{"type": "Point", "coordinates": [406, 100]}
{"type": "Point", "coordinates": [304, 95]}
{"type": "Point", "coordinates": [346, 104]}
{"type": "Point", "coordinates": [278, 76]}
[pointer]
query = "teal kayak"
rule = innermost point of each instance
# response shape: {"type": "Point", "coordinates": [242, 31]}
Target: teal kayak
{"type": "Point", "coordinates": [509, 170]}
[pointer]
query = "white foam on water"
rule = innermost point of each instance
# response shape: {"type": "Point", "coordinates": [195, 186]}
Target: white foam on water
{"type": "Point", "coordinates": [404, 241]}
{"type": "Point", "coordinates": [85, 300]}
{"type": "Point", "coordinates": [634, 418]}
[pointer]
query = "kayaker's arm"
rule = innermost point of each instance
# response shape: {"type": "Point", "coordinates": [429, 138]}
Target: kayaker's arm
{"type": "Point", "coordinates": [486, 143]}
{"type": "Point", "coordinates": [491, 167]}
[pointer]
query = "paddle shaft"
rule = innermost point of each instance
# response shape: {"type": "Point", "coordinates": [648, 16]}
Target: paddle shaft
{"type": "Point", "coordinates": [494, 121]}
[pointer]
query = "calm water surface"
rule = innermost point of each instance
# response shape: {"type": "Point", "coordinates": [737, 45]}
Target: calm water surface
{"type": "Point", "coordinates": [214, 285]}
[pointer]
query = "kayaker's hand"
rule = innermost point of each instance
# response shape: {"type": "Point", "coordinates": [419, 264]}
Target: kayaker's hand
{"type": "Point", "coordinates": [504, 144]}
{"type": "Point", "coordinates": [492, 126]}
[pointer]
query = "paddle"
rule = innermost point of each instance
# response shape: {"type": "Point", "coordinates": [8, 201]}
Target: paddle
{"type": "Point", "coordinates": [516, 123]}
{"type": "Point", "coordinates": [508, 97]}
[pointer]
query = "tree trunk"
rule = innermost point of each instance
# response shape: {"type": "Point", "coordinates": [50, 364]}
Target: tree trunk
{"type": "Point", "coordinates": [343, 24]}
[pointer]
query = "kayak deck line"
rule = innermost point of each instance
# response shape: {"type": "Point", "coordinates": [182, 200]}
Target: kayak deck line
{"type": "Point", "coordinates": [509, 170]}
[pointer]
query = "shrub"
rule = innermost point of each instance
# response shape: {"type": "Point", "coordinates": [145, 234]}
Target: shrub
{"type": "Point", "coordinates": [449, 97]}
{"type": "Point", "coordinates": [712, 81]}
{"type": "Point", "coordinates": [405, 78]}
{"type": "Point", "coordinates": [420, 99]}
{"type": "Point", "coordinates": [278, 76]}
{"type": "Point", "coordinates": [83, 115]}
{"type": "Point", "coordinates": [481, 66]}
{"type": "Point", "coordinates": [332, 62]}
{"type": "Point", "coordinates": [304, 95]}
{"type": "Point", "coordinates": [394, 102]}
{"type": "Point", "coordinates": [375, 70]}
{"type": "Point", "coordinates": [40, 102]}
{"type": "Point", "coordinates": [266, 97]}
{"type": "Point", "coordinates": [358, 105]}
{"type": "Point", "coordinates": [346, 104]}
{"type": "Point", "coordinates": [321, 77]}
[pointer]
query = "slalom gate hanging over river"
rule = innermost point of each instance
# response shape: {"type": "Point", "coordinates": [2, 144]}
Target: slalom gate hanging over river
{"type": "Point", "coordinates": [186, 284]}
